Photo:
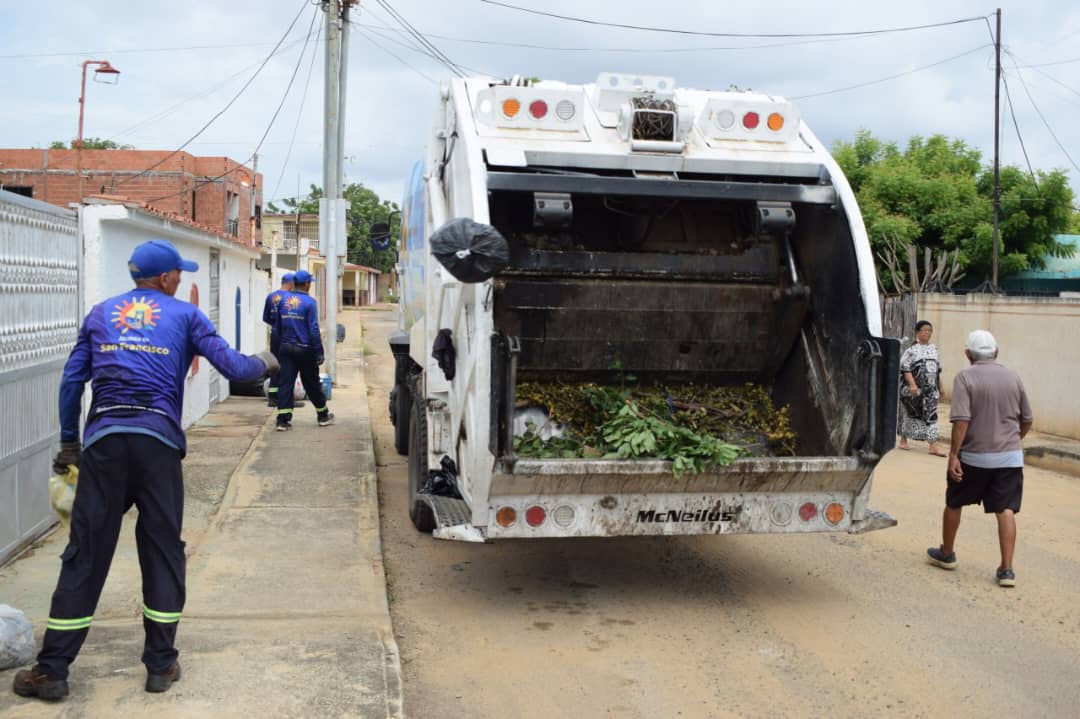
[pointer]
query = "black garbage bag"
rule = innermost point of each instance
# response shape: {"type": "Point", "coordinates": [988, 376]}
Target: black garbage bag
{"type": "Point", "coordinates": [443, 350]}
{"type": "Point", "coordinates": [443, 481]}
{"type": "Point", "coordinates": [470, 251]}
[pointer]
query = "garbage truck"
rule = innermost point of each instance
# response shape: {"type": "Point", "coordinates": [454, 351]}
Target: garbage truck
{"type": "Point", "coordinates": [671, 234]}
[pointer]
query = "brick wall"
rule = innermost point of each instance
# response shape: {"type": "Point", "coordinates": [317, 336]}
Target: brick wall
{"type": "Point", "coordinates": [53, 177]}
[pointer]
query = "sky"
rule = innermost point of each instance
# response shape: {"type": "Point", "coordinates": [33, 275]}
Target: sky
{"type": "Point", "coordinates": [182, 63]}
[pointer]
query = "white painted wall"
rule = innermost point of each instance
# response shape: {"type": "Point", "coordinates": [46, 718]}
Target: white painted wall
{"type": "Point", "coordinates": [111, 232]}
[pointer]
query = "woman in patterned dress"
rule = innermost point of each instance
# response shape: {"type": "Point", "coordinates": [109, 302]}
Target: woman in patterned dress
{"type": "Point", "coordinates": [920, 390]}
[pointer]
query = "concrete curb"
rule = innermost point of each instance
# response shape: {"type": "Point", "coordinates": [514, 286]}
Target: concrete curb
{"type": "Point", "coordinates": [370, 498]}
{"type": "Point", "coordinates": [1055, 459]}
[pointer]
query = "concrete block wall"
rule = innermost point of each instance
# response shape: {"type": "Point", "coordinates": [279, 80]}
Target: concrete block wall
{"type": "Point", "coordinates": [1039, 337]}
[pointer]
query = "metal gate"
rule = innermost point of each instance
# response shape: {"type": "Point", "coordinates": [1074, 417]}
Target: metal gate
{"type": "Point", "coordinates": [214, 312]}
{"type": "Point", "coordinates": [40, 263]}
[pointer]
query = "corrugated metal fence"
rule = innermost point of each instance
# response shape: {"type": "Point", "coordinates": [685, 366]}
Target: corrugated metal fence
{"type": "Point", "coordinates": [39, 318]}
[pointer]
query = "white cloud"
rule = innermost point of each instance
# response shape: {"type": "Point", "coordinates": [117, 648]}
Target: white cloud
{"type": "Point", "coordinates": [389, 111]}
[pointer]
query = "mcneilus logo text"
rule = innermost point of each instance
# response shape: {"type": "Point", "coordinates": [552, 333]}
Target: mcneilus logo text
{"type": "Point", "coordinates": [675, 515]}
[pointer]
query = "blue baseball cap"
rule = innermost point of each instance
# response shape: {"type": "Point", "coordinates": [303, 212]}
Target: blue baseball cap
{"type": "Point", "coordinates": [288, 277]}
{"type": "Point", "coordinates": [157, 257]}
{"type": "Point", "coordinates": [302, 277]}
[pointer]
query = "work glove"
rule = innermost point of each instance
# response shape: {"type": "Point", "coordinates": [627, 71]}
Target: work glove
{"type": "Point", "coordinates": [268, 359]}
{"type": "Point", "coordinates": [70, 453]}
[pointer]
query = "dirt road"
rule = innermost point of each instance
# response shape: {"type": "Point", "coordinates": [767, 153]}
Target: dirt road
{"type": "Point", "coordinates": [739, 626]}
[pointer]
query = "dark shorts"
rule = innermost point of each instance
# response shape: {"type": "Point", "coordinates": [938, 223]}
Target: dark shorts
{"type": "Point", "coordinates": [997, 489]}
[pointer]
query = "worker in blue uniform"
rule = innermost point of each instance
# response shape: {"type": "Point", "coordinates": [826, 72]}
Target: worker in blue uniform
{"type": "Point", "coordinates": [270, 313]}
{"type": "Point", "coordinates": [135, 349]}
{"type": "Point", "coordinates": [301, 352]}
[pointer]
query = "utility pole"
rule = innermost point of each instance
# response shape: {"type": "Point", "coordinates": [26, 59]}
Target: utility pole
{"type": "Point", "coordinates": [331, 214]}
{"type": "Point", "coordinates": [997, 147]}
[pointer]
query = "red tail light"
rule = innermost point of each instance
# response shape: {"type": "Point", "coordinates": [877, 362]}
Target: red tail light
{"type": "Point", "coordinates": [538, 109]}
{"type": "Point", "coordinates": [750, 120]}
{"type": "Point", "coordinates": [535, 516]}
{"type": "Point", "coordinates": [808, 511]}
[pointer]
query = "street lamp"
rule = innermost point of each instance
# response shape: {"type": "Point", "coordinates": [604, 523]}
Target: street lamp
{"type": "Point", "coordinates": [110, 76]}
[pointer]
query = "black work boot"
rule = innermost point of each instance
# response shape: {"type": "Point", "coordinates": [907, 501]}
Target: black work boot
{"type": "Point", "coordinates": [35, 682]}
{"type": "Point", "coordinates": [161, 682]}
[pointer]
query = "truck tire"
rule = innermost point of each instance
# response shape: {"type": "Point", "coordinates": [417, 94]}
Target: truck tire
{"type": "Point", "coordinates": [423, 518]}
{"type": "Point", "coordinates": [400, 404]}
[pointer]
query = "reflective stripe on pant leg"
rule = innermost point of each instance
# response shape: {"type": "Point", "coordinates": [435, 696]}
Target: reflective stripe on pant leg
{"type": "Point", "coordinates": [69, 625]}
{"type": "Point", "coordinates": [160, 617]}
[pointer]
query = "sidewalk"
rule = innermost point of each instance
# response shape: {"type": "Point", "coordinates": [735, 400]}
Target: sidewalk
{"type": "Point", "coordinates": [286, 601]}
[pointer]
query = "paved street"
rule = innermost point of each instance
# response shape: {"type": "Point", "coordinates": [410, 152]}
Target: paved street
{"type": "Point", "coordinates": [742, 626]}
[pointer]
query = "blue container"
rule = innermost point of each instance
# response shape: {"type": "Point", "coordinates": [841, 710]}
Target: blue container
{"type": "Point", "coordinates": [327, 386]}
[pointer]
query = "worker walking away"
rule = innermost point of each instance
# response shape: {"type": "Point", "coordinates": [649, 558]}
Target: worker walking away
{"type": "Point", "coordinates": [135, 349]}
{"type": "Point", "coordinates": [990, 415]}
{"type": "Point", "coordinates": [301, 353]}
{"type": "Point", "coordinates": [270, 313]}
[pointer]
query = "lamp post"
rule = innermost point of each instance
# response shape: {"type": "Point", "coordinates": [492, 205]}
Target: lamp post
{"type": "Point", "coordinates": [103, 68]}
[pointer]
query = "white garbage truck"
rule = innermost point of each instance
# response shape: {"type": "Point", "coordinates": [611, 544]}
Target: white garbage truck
{"type": "Point", "coordinates": [676, 235]}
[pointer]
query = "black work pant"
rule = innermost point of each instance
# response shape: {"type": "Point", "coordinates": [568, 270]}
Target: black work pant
{"type": "Point", "coordinates": [296, 360]}
{"type": "Point", "coordinates": [275, 349]}
{"type": "Point", "coordinates": [116, 472]}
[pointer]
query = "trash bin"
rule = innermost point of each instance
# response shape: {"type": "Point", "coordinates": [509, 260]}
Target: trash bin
{"type": "Point", "coordinates": [327, 385]}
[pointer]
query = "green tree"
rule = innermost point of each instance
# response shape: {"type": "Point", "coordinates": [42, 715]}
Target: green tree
{"type": "Point", "coordinates": [365, 209]}
{"type": "Point", "coordinates": [936, 193]}
{"type": "Point", "coordinates": [91, 143]}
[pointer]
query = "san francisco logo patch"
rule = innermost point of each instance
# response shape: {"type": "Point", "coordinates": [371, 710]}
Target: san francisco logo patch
{"type": "Point", "coordinates": [137, 313]}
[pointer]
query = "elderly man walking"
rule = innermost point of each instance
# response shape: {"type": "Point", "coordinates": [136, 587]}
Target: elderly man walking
{"type": "Point", "coordinates": [135, 349]}
{"type": "Point", "coordinates": [990, 416]}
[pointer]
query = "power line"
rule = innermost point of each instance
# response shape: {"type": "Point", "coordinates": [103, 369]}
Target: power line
{"type": "Point", "coordinates": [412, 48]}
{"type": "Point", "coordinates": [880, 31]}
{"type": "Point", "coordinates": [300, 111]}
{"type": "Point", "coordinates": [235, 97]}
{"type": "Point", "coordinates": [634, 50]}
{"type": "Point", "coordinates": [890, 77]}
{"type": "Point", "coordinates": [1049, 64]}
{"type": "Point", "coordinates": [1051, 78]}
{"type": "Point", "coordinates": [133, 51]}
{"type": "Point", "coordinates": [450, 64]}
{"type": "Point", "coordinates": [1042, 117]}
{"type": "Point", "coordinates": [170, 110]}
{"type": "Point", "coordinates": [1012, 112]}
{"type": "Point", "coordinates": [374, 42]}
{"type": "Point", "coordinates": [273, 118]}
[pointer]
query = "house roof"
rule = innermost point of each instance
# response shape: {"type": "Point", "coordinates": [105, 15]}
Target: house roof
{"type": "Point", "coordinates": [1058, 268]}
{"type": "Point", "coordinates": [132, 204]}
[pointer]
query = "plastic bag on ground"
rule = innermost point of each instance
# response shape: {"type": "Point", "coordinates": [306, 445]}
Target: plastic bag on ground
{"type": "Point", "coordinates": [16, 638]}
{"type": "Point", "coordinates": [470, 251]}
{"type": "Point", "coordinates": [62, 493]}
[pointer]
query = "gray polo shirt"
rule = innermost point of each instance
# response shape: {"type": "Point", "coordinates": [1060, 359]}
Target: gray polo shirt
{"type": "Point", "coordinates": [992, 399]}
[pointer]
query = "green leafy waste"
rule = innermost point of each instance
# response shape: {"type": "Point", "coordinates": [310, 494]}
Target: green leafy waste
{"type": "Point", "coordinates": [692, 426]}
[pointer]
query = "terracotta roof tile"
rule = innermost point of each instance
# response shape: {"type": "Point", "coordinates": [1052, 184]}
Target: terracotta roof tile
{"type": "Point", "coordinates": [171, 216]}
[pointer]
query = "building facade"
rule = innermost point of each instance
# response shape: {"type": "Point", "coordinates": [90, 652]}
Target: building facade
{"type": "Point", "coordinates": [215, 192]}
{"type": "Point", "coordinates": [228, 287]}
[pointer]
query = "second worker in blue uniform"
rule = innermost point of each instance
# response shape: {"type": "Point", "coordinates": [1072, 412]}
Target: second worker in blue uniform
{"type": "Point", "coordinates": [300, 352]}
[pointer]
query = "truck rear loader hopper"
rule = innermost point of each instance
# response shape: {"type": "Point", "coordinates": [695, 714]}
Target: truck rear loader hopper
{"type": "Point", "coordinates": [669, 277]}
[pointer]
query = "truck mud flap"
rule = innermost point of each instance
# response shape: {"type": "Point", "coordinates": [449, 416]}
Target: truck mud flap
{"type": "Point", "coordinates": [873, 521]}
{"type": "Point", "coordinates": [453, 520]}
